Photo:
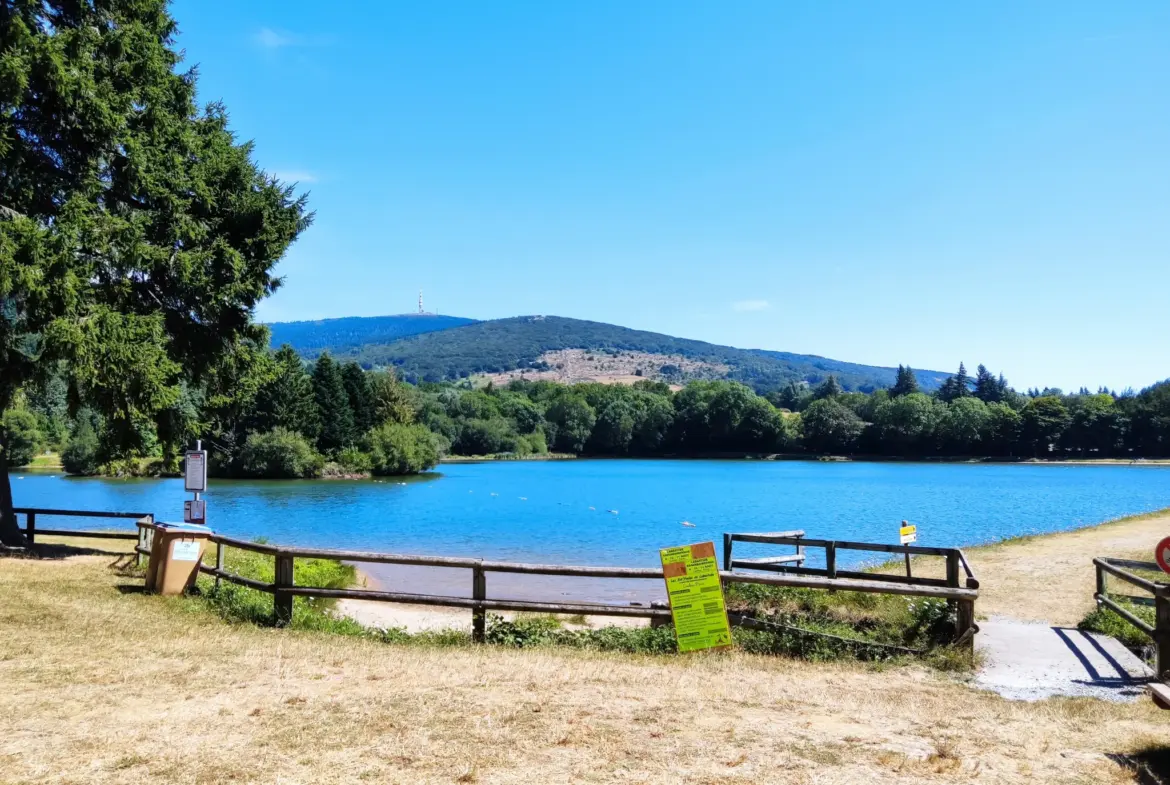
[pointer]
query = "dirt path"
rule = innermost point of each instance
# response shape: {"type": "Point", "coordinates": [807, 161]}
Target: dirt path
{"type": "Point", "coordinates": [1050, 578]}
{"type": "Point", "coordinates": [1033, 592]}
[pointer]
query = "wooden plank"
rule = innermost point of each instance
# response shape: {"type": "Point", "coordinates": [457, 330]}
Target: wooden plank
{"type": "Point", "coordinates": [578, 571]}
{"type": "Point", "coordinates": [1133, 564]}
{"type": "Point", "coordinates": [233, 578]}
{"type": "Point", "coordinates": [1123, 613]}
{"type": "Point", "coordinates": [869, 576]}
{"type": "Point", "coordinates": [1162, 632]}
{"type": "Point", "coordinates": [1125, 575]}
{"type": "Point", "coordinates": [972, 581]}
{"type": "Point", "coordinates": [770, 560]}
{"type": "Point", "coordinates": [831, 560]}
{"type": "Point", "coordinates": [767, 537]}
{"type": "Point", "coordinates": [110, 535]}
{"type": "Point", "coordinates": [82, 513]}
{"type": "Point", "coordinates": [849, 584]}
{"type": "Point", "coordinates": [1160, 693]}
{"type": "Point", "coordinates": [570, 608]}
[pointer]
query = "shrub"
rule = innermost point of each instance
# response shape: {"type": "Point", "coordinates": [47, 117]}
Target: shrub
{"type": "Point", "coordinates": [278, 454]}
{"type": "Point", "coordinates": [401, 449]}
{"type": "Point", "coordinates": [355, 461]}
{"type": "Point", "coordinates": [80, 455]}
{"type": "Point", "coordinates": [22, 435]}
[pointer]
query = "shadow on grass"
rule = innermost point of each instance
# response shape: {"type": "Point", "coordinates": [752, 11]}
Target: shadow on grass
{"type": "Point", "coordinates": [54, 551]}
{"type": "Point", "coordinates": [1151, 765]}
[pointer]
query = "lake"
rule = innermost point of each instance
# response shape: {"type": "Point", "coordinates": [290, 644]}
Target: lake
{"type": "Point", "coordinates": [560, 511]}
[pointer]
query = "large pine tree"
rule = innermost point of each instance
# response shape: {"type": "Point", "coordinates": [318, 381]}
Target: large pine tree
{"type": "Point", "coordinates": [905, 383]}
{"type": "Point", "coordinates": [361, 400]}
{"type": "Point", "coordinates": [136, 235]}
{"type": "Point", "coordinates": [289, 400]}
{"type": "Point", "coordinates": [337, 428]}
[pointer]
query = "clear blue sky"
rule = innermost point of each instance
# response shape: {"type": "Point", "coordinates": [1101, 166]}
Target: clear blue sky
{"type": "Point", "coordinates": [891, 182]}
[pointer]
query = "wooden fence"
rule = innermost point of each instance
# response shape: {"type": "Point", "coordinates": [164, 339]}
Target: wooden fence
{"type": "Point", "coordinates": [284, 589]}
{"type": "Point", "coordinates": [1159, 597]}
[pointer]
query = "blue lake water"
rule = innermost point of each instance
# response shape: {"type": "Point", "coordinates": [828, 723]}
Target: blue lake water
{"type": "Point", "coordinates": [557, 511]}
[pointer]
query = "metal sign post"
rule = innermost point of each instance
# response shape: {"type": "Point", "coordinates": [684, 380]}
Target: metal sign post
{"type": "Point", "coordinates": [195, 481]}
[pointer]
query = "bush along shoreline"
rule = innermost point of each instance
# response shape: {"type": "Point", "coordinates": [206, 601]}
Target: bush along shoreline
{"type": "Point", "coordinates": [292, 420]}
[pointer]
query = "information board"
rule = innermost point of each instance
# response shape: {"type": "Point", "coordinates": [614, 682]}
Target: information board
{"type": "Point", "coordinates": [696, 597]}
{"type": "Point", "coordinates": [907, 534]}
{"type": "Point", "coordinates": [195, 511]}
{"type": "Point", "coordinates": [195, 471]}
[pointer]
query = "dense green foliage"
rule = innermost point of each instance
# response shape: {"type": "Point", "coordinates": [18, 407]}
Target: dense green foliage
{"type": "Point", "coordinates": [278, 454]}
{"type": "Point", "coordinates": [395, 448]}
{"type": "Point", "coordinates": [508, 344]}
{"type": "Point", "coordinates": [82, 452]}
{"type": "Point", "coordinates": [136, 234]}
{"type": "Point", "coordinates": [21, 436]}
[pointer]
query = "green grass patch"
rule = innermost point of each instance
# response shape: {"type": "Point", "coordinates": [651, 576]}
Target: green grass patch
{"type": "Point", "coordinates": [821, 625]}
{"type": "Point", "coordinates": [1104, 621]}
{"type": "Point", "coordinates": [48, 460]}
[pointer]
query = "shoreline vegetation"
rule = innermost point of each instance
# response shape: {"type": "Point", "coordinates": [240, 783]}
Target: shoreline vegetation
{"type": "Point", "coordinates": [146, 467]}
{"type": "Point", "coordinates": [339, 420]}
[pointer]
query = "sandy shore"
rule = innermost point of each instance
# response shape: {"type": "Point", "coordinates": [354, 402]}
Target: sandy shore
{"type": "Point", "coordinates": [457, 583]}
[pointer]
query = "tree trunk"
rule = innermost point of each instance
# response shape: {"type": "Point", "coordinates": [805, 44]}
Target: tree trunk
{"type": "Point", "coordinates": [10, 533]}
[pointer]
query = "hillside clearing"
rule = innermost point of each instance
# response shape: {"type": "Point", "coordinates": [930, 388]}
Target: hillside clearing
{"type": "Point", "coordinates": [109, 685]}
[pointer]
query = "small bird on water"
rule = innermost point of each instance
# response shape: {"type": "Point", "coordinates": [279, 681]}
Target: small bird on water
{"type": "Point", "coordinates": [688, 523]}
{"type": "Point", "coordinates": [615, 512]}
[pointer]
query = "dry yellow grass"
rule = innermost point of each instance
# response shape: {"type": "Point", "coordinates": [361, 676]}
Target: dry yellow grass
{"type": "Point", "coordinates": [1051, 578]}
{"type": "Point", "coordinates": [102, 686]}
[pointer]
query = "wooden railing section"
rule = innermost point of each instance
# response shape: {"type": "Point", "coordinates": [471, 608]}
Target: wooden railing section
{"type": "Point", "coordinates": [1159, 632]}
{"type": "Point", "coordinates": [284, 589]}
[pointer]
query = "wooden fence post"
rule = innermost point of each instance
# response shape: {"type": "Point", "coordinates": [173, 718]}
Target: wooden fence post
{"type": "Point", "coordinates": [830, 559]}
{"type": "Point", "coordinates": [727, 552]}
{"type": "Point", "coordinates": [953, 579]}
{"type": "Point", "coordinates": [1102, 587]}
{"type": "Point", "coordinates": [282, 601]}
{"type": "Point", "coordinates": [30, 527]}
{"type": "Point", "coordinates": [965, 621]}
{"type": "Point", "coordinates": [1162, 631]}
{"type": "Point", "coordinates": [218, 563]}
{"type": "Point", "coordinates": [479, 594]}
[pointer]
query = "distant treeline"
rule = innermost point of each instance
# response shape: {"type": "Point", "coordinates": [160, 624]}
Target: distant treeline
{"type": "Point", "coordinates": [327, 418]}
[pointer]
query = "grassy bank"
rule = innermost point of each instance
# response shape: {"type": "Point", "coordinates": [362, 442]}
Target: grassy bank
{"type": "Point", "coordinates": [104, 684]}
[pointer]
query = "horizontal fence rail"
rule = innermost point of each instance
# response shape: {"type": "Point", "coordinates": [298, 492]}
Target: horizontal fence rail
{"type": "Point", "coordinates": [31, 531]}
{"type": "Point", "coordinates": [1159, 631]}
{"type": "Point", "coordinates": [792, 574]}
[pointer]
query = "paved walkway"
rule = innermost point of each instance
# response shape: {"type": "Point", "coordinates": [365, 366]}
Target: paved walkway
{"type": "Point", "coordinates": [1033, 661]}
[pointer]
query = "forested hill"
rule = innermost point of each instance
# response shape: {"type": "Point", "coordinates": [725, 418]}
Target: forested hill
{"type": "Point", "coordinates": [507, 344]}
{"type": "Point", "coordinates": [351, 334]}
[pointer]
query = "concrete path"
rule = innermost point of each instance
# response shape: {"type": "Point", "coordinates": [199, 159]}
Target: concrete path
{"type": "Point", "coordinates": [1033, 661]}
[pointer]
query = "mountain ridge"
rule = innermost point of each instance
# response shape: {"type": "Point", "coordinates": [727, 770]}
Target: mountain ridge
{"type": "Point", "coordinates": [431, 348]}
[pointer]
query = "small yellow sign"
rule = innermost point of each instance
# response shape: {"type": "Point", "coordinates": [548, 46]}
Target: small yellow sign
{"type": "Point", "coordinates": [908, 534]}
{"type": "Point", "coordinates": [696, 597]}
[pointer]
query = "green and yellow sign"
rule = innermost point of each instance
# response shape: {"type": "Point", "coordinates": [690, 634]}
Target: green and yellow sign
{"type": "Point", "coordinates": [696, 597]}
